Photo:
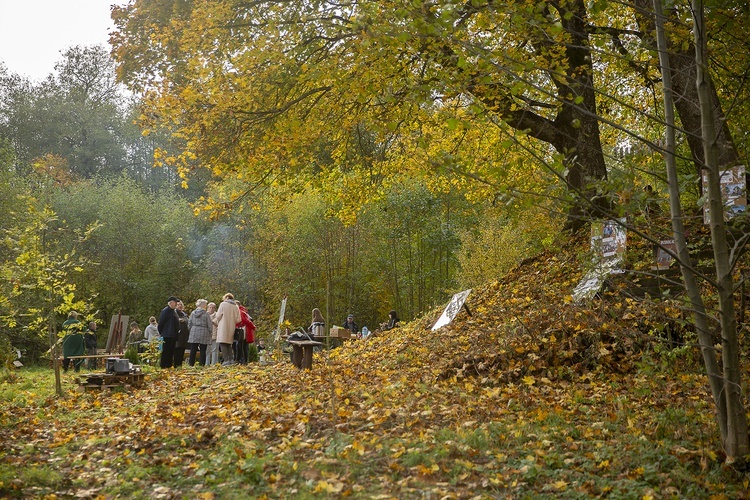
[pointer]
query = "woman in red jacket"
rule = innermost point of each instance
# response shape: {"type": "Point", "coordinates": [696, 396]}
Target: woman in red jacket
{"type": "Point", "coordinates": [245, 335]}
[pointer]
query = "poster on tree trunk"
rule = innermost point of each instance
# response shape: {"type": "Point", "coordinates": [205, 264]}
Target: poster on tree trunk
{"type": "Point", "coordinates": [733, 192]}
{"type": "Point", "coordinates": [608, 240]}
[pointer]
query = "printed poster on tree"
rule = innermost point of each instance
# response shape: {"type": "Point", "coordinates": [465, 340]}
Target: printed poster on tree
{"type": "Point", "coordinates": [733, 192]}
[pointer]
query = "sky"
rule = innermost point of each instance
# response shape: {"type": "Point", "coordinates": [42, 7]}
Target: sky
{"type": "Point", "coordinates": [34, 33]}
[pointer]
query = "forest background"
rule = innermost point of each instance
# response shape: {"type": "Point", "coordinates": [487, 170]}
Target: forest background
{"type": "Point", "coordinates": [376, 155]}
{"type": "Point", "coordinates": [386, 189]}
{"type": "Point", "coordinates": [277, 167]}
{"type": "Point", "coordinates": [281, 159]}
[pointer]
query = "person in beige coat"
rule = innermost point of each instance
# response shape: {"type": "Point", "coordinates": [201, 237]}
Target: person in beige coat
{"type": "Point", "coordinates": [226, 318]}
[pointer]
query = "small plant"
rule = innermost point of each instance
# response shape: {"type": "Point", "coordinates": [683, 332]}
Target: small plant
{"type": "Point", "coordinates": [8, 356]}
{"type": "Point", "coordinates": [252, 353]}
{"type": "Point", "coordinates": [151, 353]}
{"type": "Point", "coordinates": [131, 353]}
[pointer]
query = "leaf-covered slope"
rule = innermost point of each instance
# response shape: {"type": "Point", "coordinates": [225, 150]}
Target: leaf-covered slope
{"type": "Point", "coordinates": [530, 395]}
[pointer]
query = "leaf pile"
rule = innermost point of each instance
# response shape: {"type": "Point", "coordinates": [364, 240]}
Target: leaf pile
{"type": "Point", "coordinates": [530, 395]}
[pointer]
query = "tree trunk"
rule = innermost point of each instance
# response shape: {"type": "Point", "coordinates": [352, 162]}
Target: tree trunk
{"type": "Point", "coordinates": [736, 441]}
{"type": "Point", "coordinates": [700, 317]}
{"type": "Point", "coordinates": [574, 131]}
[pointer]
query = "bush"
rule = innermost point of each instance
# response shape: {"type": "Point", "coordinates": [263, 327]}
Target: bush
{"type": "Point", "coordinates": [132, 355]}
{"type": "Point", "coordinates": [252, 353]}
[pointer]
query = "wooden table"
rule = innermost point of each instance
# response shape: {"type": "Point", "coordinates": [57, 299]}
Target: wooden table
{"type": "Point", "coordinates": [302, 352]}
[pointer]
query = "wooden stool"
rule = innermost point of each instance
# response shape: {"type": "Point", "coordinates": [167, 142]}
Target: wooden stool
{"type": "Point", "coordinates": [302, 352]}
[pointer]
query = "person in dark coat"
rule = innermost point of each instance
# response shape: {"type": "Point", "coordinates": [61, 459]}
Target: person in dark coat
{"type": "Point", "coordinates": [90, 340]}
{"type": "Point", "coordinates": [183, 335]}
{"type": "Point", "coordinates": [169, 327]}
{"type": "Point", "coordinates": [72, 344]}
{"type": "Point", "coordinates": [392, 320]}
{"type": "Point", "coordinates": [349, 324]}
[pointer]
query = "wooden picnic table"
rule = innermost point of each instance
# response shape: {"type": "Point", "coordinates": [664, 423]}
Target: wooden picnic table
{"type": "Point", "coordinates": [302, 352]}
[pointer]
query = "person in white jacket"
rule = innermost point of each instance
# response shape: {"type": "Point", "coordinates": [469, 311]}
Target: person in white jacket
{"type": "Point", "coordinates": [151, 332]}
{"type": "Point", "coordinates": [227, 317]}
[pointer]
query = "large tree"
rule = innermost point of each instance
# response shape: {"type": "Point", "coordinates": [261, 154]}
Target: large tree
{"type": "Point", "coordinates": [254, 84]}
{"type": "Point", "coordinates": [76, 114]}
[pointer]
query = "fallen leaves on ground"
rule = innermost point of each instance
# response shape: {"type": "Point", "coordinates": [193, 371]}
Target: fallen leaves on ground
{"type": "Point", "coordinates": [530, 395]}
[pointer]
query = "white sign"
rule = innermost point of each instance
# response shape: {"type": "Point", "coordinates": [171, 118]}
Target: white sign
{"type": "Point", "coordinates": [281, 313]}
{"type": "Point", "coordinates": [592, 281]}
{"type": "Point", "coordinates": [608, 242]}
{"type": "Point", "coordinates": [452, 309]}
{"type": "Point", "coordinates": [277, 336]}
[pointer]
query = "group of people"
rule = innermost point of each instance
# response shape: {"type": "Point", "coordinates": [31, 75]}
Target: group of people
{"type": "Point", "coordinates": [317, 326]}
{"type": "Point", "coordinates": [209, 332]}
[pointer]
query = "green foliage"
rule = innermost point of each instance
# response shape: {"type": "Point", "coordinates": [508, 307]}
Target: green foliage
{"type": "Point", "coordinates": [142, 252]}
{"type": "Point", "coordinates": [151, 353]}
{"type": "Point", "coordinates": [131, 354]}
{"type": "Point", "coordinates": [252, 353]}
{"type": "Point", "coordinates": [489, 251]}
{"type": "Point", "coordinates": [37, 283]}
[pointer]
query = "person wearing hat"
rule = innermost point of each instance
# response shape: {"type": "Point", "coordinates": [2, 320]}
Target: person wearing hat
{"type": "Point", "coordinates": [169, 327]}
{"type": "Point", "coordinates": [349, 324]}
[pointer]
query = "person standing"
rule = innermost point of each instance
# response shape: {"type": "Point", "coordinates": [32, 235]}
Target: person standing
{"type": "Point", "coordinates": [227, 317]}
{"type": "Point", "coordinates": [152, 330]}
{"type": "Point", "coordinates": [183, 334]}
{"type": "Point", "coordinates": [72, 343]}
{"type": "Point", "coordinates": [318, 324]}
{"type": "Point", "coordinates": [350, 325]}
{"type": "Point", "coordinates": [201, 327]}
{"type": "Point", "coordinates": [135, 337]}
{"type": "Point", "coordinates": [213, 347]}
{"type": "Point", "coordinates": [90, 341]}
{"type": "Point", "coordinates": [244, 331]}
{"type": "Point", "coordinates": [169, 326]}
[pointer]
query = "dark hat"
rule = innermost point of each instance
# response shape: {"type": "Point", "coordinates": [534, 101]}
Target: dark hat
{"type": "Point", "coordinates": [170, 299]}
{"type": "Point", "coordinates": [351, 316]}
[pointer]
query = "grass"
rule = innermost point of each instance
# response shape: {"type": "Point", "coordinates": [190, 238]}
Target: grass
{"type": "Point", "coordinates": [350, 428]}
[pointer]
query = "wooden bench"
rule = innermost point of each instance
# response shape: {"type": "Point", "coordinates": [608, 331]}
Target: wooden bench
{"type": "Point", "coordinates": [302, 352]}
